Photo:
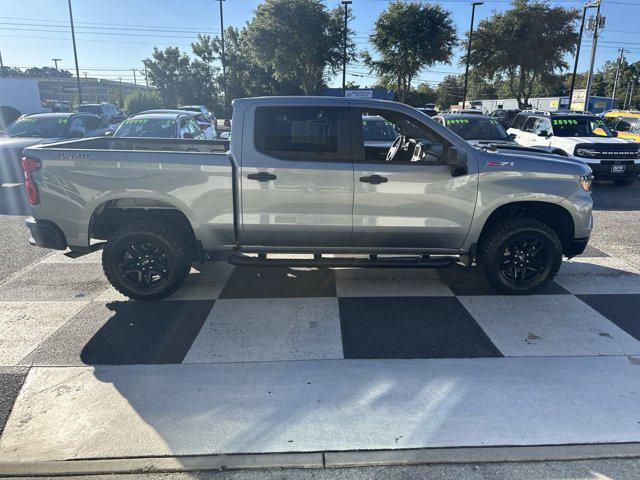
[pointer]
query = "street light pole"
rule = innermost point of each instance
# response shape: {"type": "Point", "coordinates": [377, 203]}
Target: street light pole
{"type": "Point", "coordinates": [75, 52]}
{"type": "Point", "coordinates": [223, 60]}
{"type": "Point", "coordinates": [615, 80]}
{"type": "Point", "coordinates": [346, 4]}
{"type": "Point", "coordinates": [1, 67]}
{"type": "Point", "coordinates": [135, 82]}
{"type": "Point", "coordinates": [466, 70]}
{"type": "Point", "coordinates": [594, 46]}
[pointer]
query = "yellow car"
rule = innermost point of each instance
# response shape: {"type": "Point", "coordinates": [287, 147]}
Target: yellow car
{"type": "Point", "coordinates": [625, 122]}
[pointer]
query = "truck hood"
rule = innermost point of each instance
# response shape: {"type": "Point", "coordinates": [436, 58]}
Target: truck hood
{"type": "Point", "coordinates": [591, 140]}
{"type": "Point", "coordinates": [526, 161]}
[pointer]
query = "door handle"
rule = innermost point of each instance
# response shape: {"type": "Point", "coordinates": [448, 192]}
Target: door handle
{"type": "Point", "coordinates": [262, 176]}
{"type": "Point", "coordinates": [374, 179]}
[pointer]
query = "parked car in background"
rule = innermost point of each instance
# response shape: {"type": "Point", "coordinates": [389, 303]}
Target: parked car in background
{"type": "Point", "coordinates": [38, 128]}
{"type": "Point", "coordinates": [580, 135]}
{"type": "Point", "coordinates": [478, 130]}
{"type": "Point", "coordinates": [504, 116]}
{"type": "Point", "coordinates": [108, 112]}
{"type": "Point", "coordinates": [205, 124]}
{"type": "Point", "coordinates": [626, 123]}
{"type": "Point", "coordinates": [160, 125]}
{"type": "Point", "coordinates": [207, 115]}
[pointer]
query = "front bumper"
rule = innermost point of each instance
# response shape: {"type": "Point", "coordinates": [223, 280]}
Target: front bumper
{"type": "Point", "coordinates": [579, 245]}
{"type": "Point", "coordinates": [46, 234]}
{"type": "Point", "coordinates": [605, 170]}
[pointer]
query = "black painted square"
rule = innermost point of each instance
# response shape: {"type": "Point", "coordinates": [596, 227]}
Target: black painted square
{"type": "Point", "coordinates": [277, 282]}
{"type": "Point", "coordinates": [621, 309]}
{"type": "Point", "coordinates": [411, 327]}
{"type": "Point", "coordinates": [122, 333]}
{"type": "Point", "coordinates": [471, 281]}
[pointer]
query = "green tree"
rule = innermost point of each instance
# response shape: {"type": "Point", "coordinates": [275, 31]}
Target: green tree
{"type": "Point", "coordinates": [421, 95]}
{"type": "Point", "coordinates": [524, 45]}
{"type": "Point", "coordinates": [409, 37]}
{"type": "Point", "coordinates": [449, 91]}
{"type": "Point", "coordinates": [297, 41]}
{"type": "Point", "coordinates": [140, 100]}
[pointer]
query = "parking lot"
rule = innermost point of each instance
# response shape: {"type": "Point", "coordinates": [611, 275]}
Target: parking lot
{"type": "Point", "coordinates": [317, 361]}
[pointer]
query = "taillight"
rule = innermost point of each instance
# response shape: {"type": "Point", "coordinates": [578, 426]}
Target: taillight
{"type": "Point", "coordinates": [30, 165]}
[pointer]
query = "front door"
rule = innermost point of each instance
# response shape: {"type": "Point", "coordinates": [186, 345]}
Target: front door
{"type": "Point", "coordinates": [402, 203]}
{"type": "Point", "coordinates": [297, 176]}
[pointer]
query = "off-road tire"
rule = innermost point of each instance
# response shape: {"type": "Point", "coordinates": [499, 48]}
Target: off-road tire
{"type": "Point", "coordinates": [494, 242]}
{"type": "Point", "coordinates": [159, 234]}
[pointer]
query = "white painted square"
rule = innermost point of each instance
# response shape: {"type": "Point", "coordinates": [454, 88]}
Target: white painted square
{"type": "Point", "coordinates": [24, 325]}
{"type": "Point", "coordinates": [389, 282]}
{"type": "Point", "coordinates": [599, 276]}
{"type": "Point", "coordinates": [205, 282]}
{"type": "Point", "coordinates": [253, 330]}
{"type": "Point", "coordinates": [548, 325]}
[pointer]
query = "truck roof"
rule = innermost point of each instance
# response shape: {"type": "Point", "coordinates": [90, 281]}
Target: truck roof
{"type": "Point", "coordinates": [53, 115]}
{"type": "Point", "coordinates": [157, 115]}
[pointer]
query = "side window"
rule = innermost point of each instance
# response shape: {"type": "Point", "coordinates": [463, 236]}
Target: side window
{"type": "Point", "coordinates": [529, 124]}
{"type": "Point", "coordinates": [302, 133]}
{"type": "Point", "coordinates": [542, 125]}
{"type": "Point", "coordinates": [518, 122]}
{"type": "Point", "coordinates": [91, 123]}
{"type": "Point", "coordinates": [195, 130]}
{"type": "Point", "coordinates": [184, 127]}
{"type": "Point", "coordinates": [76, 126]}
{"type": "Point", "coordinates": [611, 121]}
{"type": "Point", "coordinates": [623, 126]}
{"type": "Point", "coordinates": [405, 139]}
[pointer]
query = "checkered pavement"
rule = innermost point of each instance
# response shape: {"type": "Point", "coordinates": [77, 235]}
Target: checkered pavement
{"type": "Point", "coordinates": [63, 312]}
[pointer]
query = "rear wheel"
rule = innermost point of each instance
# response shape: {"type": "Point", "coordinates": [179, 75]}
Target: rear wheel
{"type": "Point", "coordinates": [520, 255]}
{"type": "Point", "coordinates": [146, 260]}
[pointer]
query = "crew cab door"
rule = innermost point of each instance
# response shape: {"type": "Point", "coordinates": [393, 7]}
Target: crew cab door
{"type": "Point", "coordinates": [542, 133]}
{"type": "Point", "coordinates": [296, 176]}
{"type": "Point", "coordinates": [405, 204]}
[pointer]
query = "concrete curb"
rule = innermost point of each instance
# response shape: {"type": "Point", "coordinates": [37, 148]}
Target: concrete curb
{"type": "Point", "coordinates": [320, 459]}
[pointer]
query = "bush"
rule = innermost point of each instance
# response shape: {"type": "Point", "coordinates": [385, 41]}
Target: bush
{"type": "Point", "coordinates": [140, 100]}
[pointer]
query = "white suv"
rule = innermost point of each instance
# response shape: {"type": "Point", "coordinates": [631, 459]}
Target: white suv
{"type": "Point", "coordinates": [580, 135]}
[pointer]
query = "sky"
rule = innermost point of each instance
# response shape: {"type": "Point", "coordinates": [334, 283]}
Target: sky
{"type": "Point", "coordinates": [114, 36]}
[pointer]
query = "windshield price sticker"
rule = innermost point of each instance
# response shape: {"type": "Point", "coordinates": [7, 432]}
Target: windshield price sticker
{"type": "Point", "coordinates": [27, 120]}
{"type": "Point", "coordinates": [564, 121]}
{"type": "Point", "coordinates": [458, 120]}
{"type": "Point", "coordinates": [137, 120]}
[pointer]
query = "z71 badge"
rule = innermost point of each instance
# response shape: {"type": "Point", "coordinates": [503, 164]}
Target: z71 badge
{"type": "Point", "coordinates": [500, 164]}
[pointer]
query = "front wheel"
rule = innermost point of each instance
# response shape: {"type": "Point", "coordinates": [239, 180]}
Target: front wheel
{"type": "Point", "coordinates": [520, 255]}
{"type": "Point", "coordinates": [146, 260]}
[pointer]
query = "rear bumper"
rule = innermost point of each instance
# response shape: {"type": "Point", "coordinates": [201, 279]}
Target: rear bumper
{"type": "Point", "coordinates": [46, 234]}
{"type": "Point", "coordinates": [602, 171]}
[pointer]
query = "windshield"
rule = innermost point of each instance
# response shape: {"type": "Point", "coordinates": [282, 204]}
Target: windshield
{"type": "Point", "coordinates": [580, 127]}
{"type": "Point", "coordinates": [90, 109]}
{"type": "Point", "coordinates": [44, 127]}
{"type": "Point", "coordinates": [147, 127]}
{"type": "Point", "coordinates": [477, 128]}
{"type": "Point", "coordinates": [629, 124]}
{"type": "Point", "coordinates": [378, 131]}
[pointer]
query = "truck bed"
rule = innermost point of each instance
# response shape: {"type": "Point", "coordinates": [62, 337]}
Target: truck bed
{"type": "Point", "coordinates": [81, 177]}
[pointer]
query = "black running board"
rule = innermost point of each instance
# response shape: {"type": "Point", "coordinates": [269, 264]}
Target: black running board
{"type": "Point", "coordinates": [319, 261]}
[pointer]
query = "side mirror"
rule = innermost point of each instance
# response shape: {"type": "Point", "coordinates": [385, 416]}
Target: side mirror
{"type": "Point", "coordinates": [543, 133]}
{"type": "Point", "coordinates": [615, 134]}
{"type": "Point", "coordinates": [187, 135]}
{"type": "Point", "coordinates": [457, 160]}
{"type": "Point", "coordinates": [512, 136]}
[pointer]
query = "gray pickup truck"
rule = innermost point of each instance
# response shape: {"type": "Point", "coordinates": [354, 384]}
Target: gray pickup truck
{"type": "Point", "coordinates": [298, 177]}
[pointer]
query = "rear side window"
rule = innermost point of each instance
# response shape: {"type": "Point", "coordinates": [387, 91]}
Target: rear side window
{"type": "Point", "coordinates": [518, 122]}
{"type": "Point", "coordinates": [304, 133]}
{"type": "Point", "coordinates": [528, 124]}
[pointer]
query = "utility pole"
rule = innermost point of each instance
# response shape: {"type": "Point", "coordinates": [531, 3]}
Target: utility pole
{"type": "Point", "coordinates": [75, 52]}
{"type": "Point", "coordinates": [346, 4]}
{"type": "Point", "coordinates": [633, 84]}
{"type": "Point", "coordinates": [626, 94]}
{"type": "Point", "coordinates": [135, 82]}
{"type": "Point", "coordinates": [575, 64]}
{"type": "Point", "coordinates": [1, 67]}
{"type": "Point", "coordinates": [223, 60]}
{"type": "Point", "coordinates": [466, 70]}
{"type": "Point", "coordinates": [55, 62]}
{"type": "Point", "coordinates": [615, 80]}
{"type": "Point", "coordinates": [146, 78]}
{"type": "Point", "coordinates": [594, 45]}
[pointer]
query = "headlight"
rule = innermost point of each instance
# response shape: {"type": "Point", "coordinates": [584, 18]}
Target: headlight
{"type": "Point", "coordinates": [585, 182]}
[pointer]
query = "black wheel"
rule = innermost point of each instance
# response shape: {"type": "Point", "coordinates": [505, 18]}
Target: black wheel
{"type": "Point", "coordinates": [626, 181]}
{"type": "Point", "coordinates": [146, 260]}
{"type": "Point", "coordinates": [520, 255]}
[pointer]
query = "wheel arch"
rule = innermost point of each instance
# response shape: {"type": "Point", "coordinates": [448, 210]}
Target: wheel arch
{"type": "Point", "coordinates": [555, 216]}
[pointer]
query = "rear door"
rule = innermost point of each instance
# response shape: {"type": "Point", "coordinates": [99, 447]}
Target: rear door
{"type": "Point", "coordinates": [407, 204]}
{"type": "Point", "coordinates": [297, 176]}
{"type": "Point", "coordinates": [526, 136]}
